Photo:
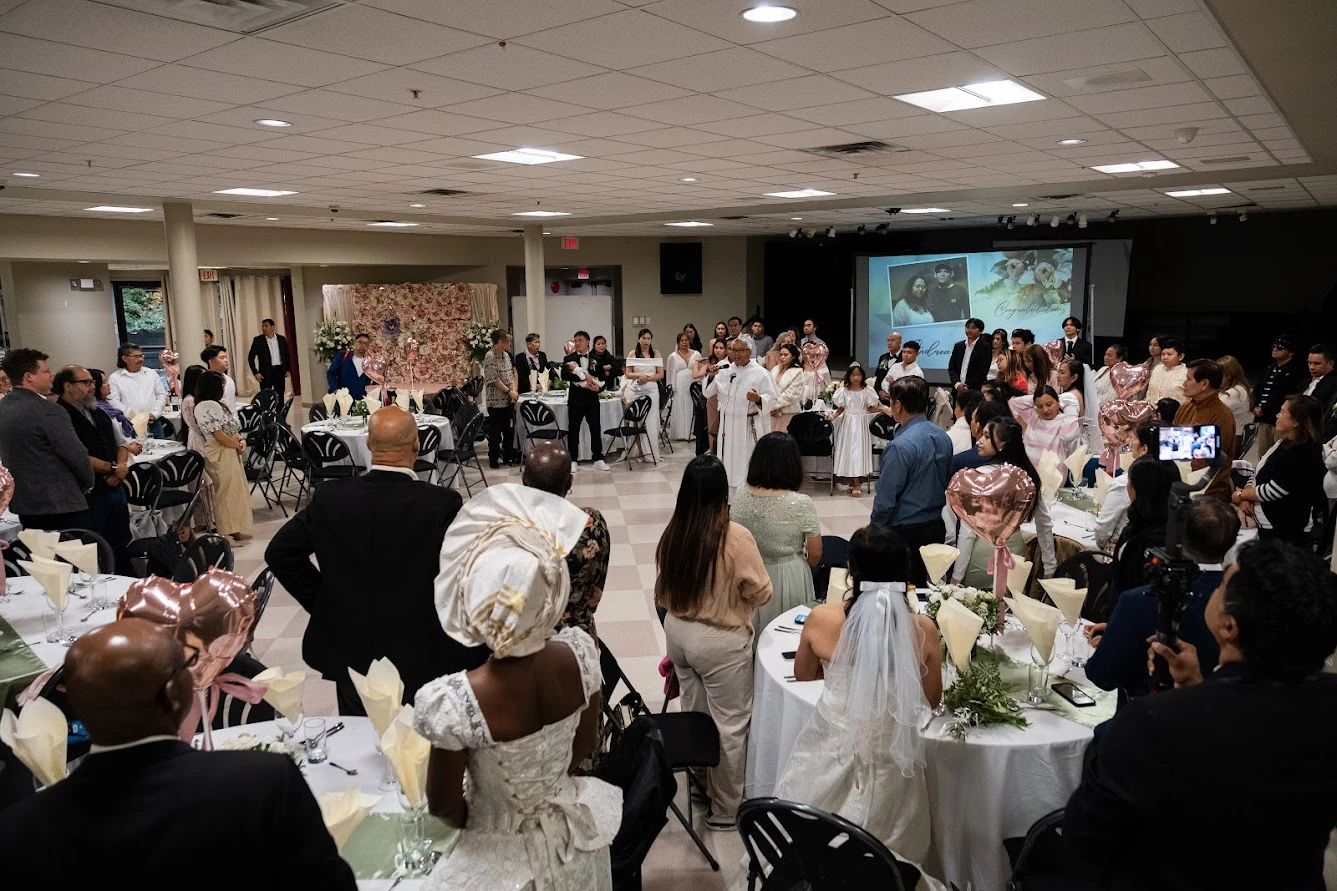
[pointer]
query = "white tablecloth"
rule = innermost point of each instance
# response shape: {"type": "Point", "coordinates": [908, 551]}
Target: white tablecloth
{"type": "Point", "coordinates": [24, 613]}
{"type": "Point", "coordinates": [157, 449]}
{"type": "Point", "coordinates": [355, 436]}
{"type": "Point", "coordinates": [610, 412]}
{"type": "Point", "coordinates": [9, 526]}
{"type": "Point", "coordinates": [351, 747]}
{"type": "Point", "coordinates": [992, 786]}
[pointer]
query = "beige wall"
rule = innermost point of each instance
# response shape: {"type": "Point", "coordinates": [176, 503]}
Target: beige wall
{"type": "Point", "coordinates": [71, 326]}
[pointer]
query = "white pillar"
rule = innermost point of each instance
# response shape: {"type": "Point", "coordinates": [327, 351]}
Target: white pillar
{"type": "Point", "coordinates": [536, 285]}
{"type": "Point", "coordinates": [184, 289]}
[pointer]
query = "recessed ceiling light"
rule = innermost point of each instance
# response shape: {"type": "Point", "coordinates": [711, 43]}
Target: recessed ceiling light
{"type": "Point", "coordinates": [255, 193]}
{"type": "Point", "coordinates": [690, 224]}
{"type": "Point", "coordinates": [799, 193]}
{"type": "Point", "coordinates": [272, 219]}
{"type": "Point", "coordinates": [28, 175]}
{"type": "Point", "coordinates": [85, 261]}
{"type": "Point", "coordinates": [1022, 204]}
{"type": "Point", "coordinates": [1135, 166]}
{"type": "Point", "coordinates": [547, 233]}
{"type": "Point", "coordinates": [1195, 193]}
{"type": "Point", "coordinates": [688, 179]}
{"type": "Point", "coordinates": [541, 213]}
{"type": "Point", "coordinates": [116, 208]}
{"type": "Point", "coordinates": [273, 122]}
{"type": "Point", "coordinates": [796, 218]}
{"type": "Point", "coordinates": [981, 95]}
{"type": "Point", "coordinates": [529, 156]}
{"type": "Point", "coordinates": [417, 205]}
{"type": "Point", "coordinates": [1072, 142]}
{"type": "Point", "coordinates": [925, 210]}
{"type": "Point", "coordinates": [392, 224]}
{"type": "Point", "coordinates": [768, 15]}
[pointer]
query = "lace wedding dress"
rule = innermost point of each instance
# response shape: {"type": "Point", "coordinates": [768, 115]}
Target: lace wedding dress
{"type": "Point", "coordinates": [531, 824]}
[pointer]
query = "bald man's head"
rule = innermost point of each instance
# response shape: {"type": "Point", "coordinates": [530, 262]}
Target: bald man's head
{"type": "Point", "coordinates": [392, 437]}
{"type": "Point", "coordinates": [548, 467]}
{"type": "Point", "coordinates": [128, 680]}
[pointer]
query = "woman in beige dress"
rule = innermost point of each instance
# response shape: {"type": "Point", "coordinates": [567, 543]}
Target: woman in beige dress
{"type": "Point", "coordinates": [204, 507]}
{"type": "Point", "coordinates": [223, 448]}
{"type": "Point", "coordinates": [788, 375]}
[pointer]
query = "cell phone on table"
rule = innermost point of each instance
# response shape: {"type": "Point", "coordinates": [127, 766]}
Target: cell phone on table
{"type": "Point", "coordinates": [1073, 693]}
{"type": "Point", "coordinates": [1189, 443]}
{"type": "Point", "coordinates": [800, 618]}
{"type": "Point", "coordinates": [789, 654]}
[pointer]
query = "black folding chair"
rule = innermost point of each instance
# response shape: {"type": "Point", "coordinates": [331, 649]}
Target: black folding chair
{"type": "Point", "coordinates": [429, 443]}
{"type": "Point", "coordinates": [182, 474]}
{"type": "Point", "coordinates": [106, 558]}
{"type": "Point", "coordinates": [142, 485]}
{"type": "Point", "coordinates": [792, 845]}
{"type": "Point", "coordinates": [638, 766]}
{"type": "Point", "coordinates": [203, 553]}
{"type": "Point", "coordinates": [1094, 571]}
{"type": "Point", "coordinates": [261, 446]}
{"type": "Point", "coordinates": [473, 388]}
{"type": "Point", "coordinates": [540, 421]}
{"type": "Point", "coordinates": [464, 452]}
{"type": "Point", "coordinates": [169, 429]}
{"type": "Point", "coordinates": [835, 555]}
{"type": "Point", "coordinates": [325, 456]}
{"type": "Point", "coordinates": [267, 403]}
{"type": "Point", "coordinates": [263, 586]}
{"type": "Point", "coordinates": [289, 450]}
{"type": "Point", "coordinates": [816, 439]}
{"type": "Point", "coordinates": [699, 411]}
{"type": "Point", "coordinates": [317, 413]}
{"type": "Point", "coordinates": [1036, 858]}
{"type": "Point", "coordinates": [883, 428]}
{"type": "Point", "coordinates": [633, 429]}
{"type": "Point", "coordinates": [665, 419]}
{"type": "Point", "coordinates": [285, 412]}
{"type": "Point", "coordinates": [249, 419]}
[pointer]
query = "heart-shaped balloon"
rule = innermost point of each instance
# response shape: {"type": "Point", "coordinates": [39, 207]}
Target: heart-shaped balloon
{"type": "Point", "coordinates": [1129, 381]}
{"type": "Point", "coordinates": [994, 501]}
{"type": "Point", "coordinates": [1118, 419]}
{"type": "Point", "coordinates": [374, 368]}
{"type": "Point", "coordinates": [1054, 350]}
{"type": "Point", "coordinates": [814, 355]}
{"type": "Point", "coordinates": [6, 488]}
{"type": "Point", "coordinates": [212, 615]}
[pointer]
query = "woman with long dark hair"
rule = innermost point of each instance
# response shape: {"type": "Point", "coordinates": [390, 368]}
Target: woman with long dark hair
{"type": "Point", "coordinates": [223, 448]}
{"type": "Point", "coordinates": [690, 330]}
{"type": "Point", "coordinates": [1289, 483]}
{"type": "Point", "coordinates": [704, 372]}
{"type": "Point", "coordinates": [1039, 370]}
{"type": "Point", "coordinates": [912, 308]}
{"type": "Point", "coordinates": [710, 580]}
{"type": "Point", "coordinates": [643, 380]}
{"type": "Point", "coordinates": [1149, 482]}
{"type": "Point", "coordinates": [788, 377]}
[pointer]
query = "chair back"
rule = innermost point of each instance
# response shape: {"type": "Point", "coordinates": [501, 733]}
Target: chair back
{"type": "Point", "coordinates": [429, 440]}
{"type": "Point", "coordinates": [181, 469]}
{"type": "Point", "coordinates": [325, 448]}
{"type": "Point", "coordinates": [835, 554]}
{"type": "Point", "coordinates": [634, 415]}
{"type": "Point", "coordinates": [473, 387]}
{"type": "Point", "coordinates": [289, 449]}
{"type": "Point", "coordinates": [882, 426]}
{"type": "Point", "coordinates": [317, 413]}
{"type": "Point", "coordinates": [698, 397]}
{"type": "Point", "coordinates": [263, 586]}
{"type": "Point", "coordinates": [285, 412]}
{"type": "Point", "coordinates": [169, 429]}
{"type": "Point", "coordinates": [12, 569]}
{"type": "Point", "coordinates": [815, 434]}
{"type": "Point", "coordinates": [640, 768]}
{"type": "Point", "coordinates": [233, 712]}
{"type": "Point", "coordinates": [205, 552]}
{"type": "Point", "coordinates": [536, 414]}
{"type": "Point", "coordinates": [143, 485]}
{"type": "Point", "coordinates": [267, 402]}
{"type": "Point", "coordinates": [1094, 571]}
{"type": "Point", "coordinates": [804, 847]}
{"type": "Point", "coordinates": [250, 417]}
{"type": "Point", "coordinates": [467, 440]}
{"type": "Point", "coordinates": [106, 557]}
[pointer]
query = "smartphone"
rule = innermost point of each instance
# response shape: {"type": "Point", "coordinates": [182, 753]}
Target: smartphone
{"type": "Point", "coordinates": [800, 618]}
{"type": "Point", "coordinates": [1189, 443]}
{"type": "Point", "coordinates": [1073, 693]}
{"type": "Point", "coordinates": [789, 654]}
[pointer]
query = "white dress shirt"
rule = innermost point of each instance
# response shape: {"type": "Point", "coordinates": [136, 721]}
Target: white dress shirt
{"type": "Point", "coordinates": [1313, 382]}
{"type": "Point", "coordinates": [96, 749]}
{"type": "Point", "coordinates": [357, 364]}
{"type": "Point", "coordinates": [392, 469]}
{"type": "Point", "coordinates": [965, 358]}
{"type": "Point", "coordinates": [273, 343]}
{"type": "Point", "coordinates": [142, 391]}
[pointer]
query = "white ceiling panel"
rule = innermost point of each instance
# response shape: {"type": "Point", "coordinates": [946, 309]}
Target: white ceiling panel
{"type": "Point", "coordinates": [97, 26]}
{"type": "Point", "coordinates": [281, 62]}
{"type": "Point", "coordinates": [754, 125]}
{"type": "Point", "coordinates": [396, 84]}
{"type": "Point", "coordinates": [603, 123]}
{"type": "Point", "coordinates": [518, 108]}
{"type": "Point", "coordinates": [1140, 98]}
{"type": "Point", "coordinates": [1019, 113]}
{"type": "Point", "coordinates": [722, 19]}
{"type": "Point", "coordinates": [55, 130]}
{"type": "Point", "coordinates": [1115, 76]}
{"type": "Point", "coordinates": [927, 73]}
{"type": "Point", "coordinates": [1188, 32]}
{"type": "Point", "coordinates": [977, 23]}
{"type": "Point", "coordinates": [1237, 87]}
{"type": "Point", "coordinates": [912, 126]}
{"type": "Point", "coordinates": [207, 131]}
{"type": "Point", "coordinates": [438, 123]}
{"type": "Point", "coordinates": [1099, 46]}
{"type": "Point", "coordinates": [64, 113]}
{"type": "Point", "coordinates": [1201, 111]}
{"type": "Point", "coordinates": [13, 105]}
{"type": "Point", "coordinates": [515, 67]}
{"type": "Point", "coordinates": [805, 139]}
{"type": "Point", "coordinates": [869, 43]}
{"type": "Point", "coordinates": [371, 134]}
{"type": "Point", "coordinates": [721, 70]}
{"type": "Point", "coordinates": [62, 60]}
{"type": "Point", "coordinates": [500, 19]}
{"type": "Point", "coordinates": [397, 40]}
{"type": "Point", "coordinates": [115, 98]}
{"type": "Point", "coordinates": [860, 111]}
{"type": "Point", "coordinates": [697, 109]}
{"type": "Point", "coordinates": [671, 137]}
{"type": "Point", "coordinates": [27, 85]}
{"type": "Point", "coordinates": [338, 106]}
{"type": "Point", "coordinates": [798, 92]}
{"type": "Point", "coordinates": [1248, 105]}
{"type": "Point", "coordinates": [1152, 9]}
{"type": "Point", "coordinates": [1220, 62]}
{"type": "Point", "coordinates": [627, 39]}
{"type": "Point", "coordinates": [610, 90]}
{"type": "Point", "coordinates": [198, 83]}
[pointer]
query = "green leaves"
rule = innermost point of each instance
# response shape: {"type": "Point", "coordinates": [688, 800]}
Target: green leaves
{"type": "Point", "coordinates": [979, 698]}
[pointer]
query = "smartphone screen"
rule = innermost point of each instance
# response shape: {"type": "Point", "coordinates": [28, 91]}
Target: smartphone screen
{"type": "Point", "coordinates": [1073, 693]}
{"type": "Point", "coordinates": [1188, 443]}
{"type": "Point", "coordinates": [800, 618]}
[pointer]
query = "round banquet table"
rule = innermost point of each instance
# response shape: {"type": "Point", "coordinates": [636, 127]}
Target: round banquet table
{"type": "Point", "coordinates": [157, 449]}
{"type": "Point", "coordinates": [355, 435]}
{"type": "Point", "coordinates": [610, 413]}
{"type": "Point", "coordinates": [991, 786]}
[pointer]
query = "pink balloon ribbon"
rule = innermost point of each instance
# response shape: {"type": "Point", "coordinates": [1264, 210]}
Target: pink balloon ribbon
{"type": "Point", "coordinates": [1000, 561]}
{"type": "Point", "coordinates": [3, 545]}
{"type": "Point", "coordinates": [230, 684]}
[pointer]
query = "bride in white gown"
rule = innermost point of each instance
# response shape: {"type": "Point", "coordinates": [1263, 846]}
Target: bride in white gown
{"type": "Point", "coordinates": [522, 720]}
{"type": "Point", "coordinates": [861, 753]}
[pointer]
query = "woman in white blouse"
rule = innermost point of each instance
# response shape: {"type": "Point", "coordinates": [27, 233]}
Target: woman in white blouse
{"type": "Point", "coordinates": [643, 380]}
{"type": "Point", "coordinates": [1235, 393]}
{"type": "Point", "coordinates": [223, 448]}
{"type": "Point", "coordinates": [1114, 354]}
{"type": "Point", "coordinates": [679, 371]}
{"type": "Point", "coordinates": [788, 374]}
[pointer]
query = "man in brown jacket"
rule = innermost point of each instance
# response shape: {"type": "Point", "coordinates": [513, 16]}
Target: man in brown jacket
{"type": "Point", "coordinates": [1202, 386]}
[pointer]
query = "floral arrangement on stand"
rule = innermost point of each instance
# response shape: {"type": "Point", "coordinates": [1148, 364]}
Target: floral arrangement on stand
{"type": "Point", "coordinates": [982, 603]}
{"type": "Point", "coordinates": [478, 340]}
{"type": "Point", "coordinates": [331, 336]}
{"type": "Point", "coordinates": [979, 698]}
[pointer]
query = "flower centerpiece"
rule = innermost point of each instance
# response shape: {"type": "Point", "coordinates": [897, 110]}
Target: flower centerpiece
{"type": "Point", "coordinates": [982, 603]}
{"type": "Point", "coordinates": [331, 336]}
{"type": "Point", "coordinates": [478, 340]}
{"type": "Point", "coordinates": [359, 409]}
{"type": "Point", "coordinates": [245, 742]}
{"type": "Point", "coordinates": [979, 698]}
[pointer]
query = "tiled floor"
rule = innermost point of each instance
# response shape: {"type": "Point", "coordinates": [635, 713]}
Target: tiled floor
{"type": "Point", "coordinates": [636, 503]}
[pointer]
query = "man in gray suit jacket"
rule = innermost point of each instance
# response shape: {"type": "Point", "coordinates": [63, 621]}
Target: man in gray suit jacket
{"type": "Point", "coordinates": [38, 445]}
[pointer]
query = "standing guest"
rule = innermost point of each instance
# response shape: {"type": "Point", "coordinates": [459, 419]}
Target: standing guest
{"type": "Point", "coordinates": [208, 338]}
{"type": "Point", "coordinates": [585, 374]}
{"type": "Point", "coordinates": [39, 447]}
{"type": "Point", "coordinates": [746, 397]}
{"type": "Point", "coordinates": [1074, 346]}
{"type": "Point", "coordinates": [1167, 408]}
{"type": "Point", "coordinates": [788, 377]}
{"type": "Point", "coordinates": [1167, 379]}
{"type": "Point", "coordinates": [907, 367]}
{"type": "Point", "coordinates": [398, 514]}
{"type": "Point", "coordinates": [1114, 354]}
{"type": "Point", "coordinates": [1154, 352]}
{"type": "Point", "coordinates": [1037, 367]}
{"type": "Point", "coordinates": [721, 334]}
{"type": "Point", "coordinates": [913, 308]}
{"type": "Point", "coordinates": [1047, 427]}
{"type": "Point", "coordinates": [129, 815]}
{"type": "Point", "coordinates": [215, 359]}
{"type": "Point", "coordinates": [643, 380]}
{"type": "Point", "coordinates": [711, 579]}
{"type": "Point", "coordinates": [1113, 512]}
{"type": "Point", "coordinates": [735, 327]}
{"type": "Point", "coordinates": [772, 356]}
{"type": "Point", "coordinates": [1288, 486]}
{"type": "Point", "coordinates": [855, 403]}
{"type": "Point", "coordinates": [1022, 338]}
{"type": "Point", "coordinates": [223, 448]}
{"type": "Point", "coordinates": [1149, 482]}
{"type": "Point", "coordinates": [887, 359]}
{"type": "Point", "coordinates": [912, 487]}
{"type": "Point", "coordinates": [346, 368]}
{"type": "Point", "coordinates": [706, 369]}
{"type": "Point", "coordinates": [1202, 386]}
{"type": "Point", "coordinates": [1285, 377]}
{"type": "Point", "coordinates": [1322, 382]}
{"type": "Point", "coordinates": [108, 511]}
{"type": "Point", "coordinates": [783, 521]}
{"type": "Point", "coordinates": [959, 433]}
{"type": "Point", "coordinates": [969, 366]}
{"type": "Point", "coordinates": [499, 395]}
{"type": "Point", "coordinates": [679, 370]}
{"type": "Point", "coordinates": [1071, 376]}
{"type": "Point", "coordinates": [268, 358]}
{"type": "Point", "coordinates": [820, 371]}
{"type": "Point", "coordinates": [761, 341]}
{"type": "Point", "coordinates": [136, 389]}
{"type": "Point", "coordinates": [102, 386]}
{"type": "Point", "coordinates": [548, 468]}
{"type": "Point", "coordinates": [1274, 617]}
{"type": "Point", "coordinates": [606, 368]}
{"type": "Point", "coordinates": [204, 506]}
{"type": "Point", "coordinates": [810, 334]}
{"type": "Point", "coordinates": [947, 300]}
{"type": "Point", "coordinates": [1000, 343]}
{"type": "Point", "coordinates": [1012, 371]}
{"type": "Point", "coordinates": [529, 364]}
{"type": "Point", "coordinates": [696, 338]}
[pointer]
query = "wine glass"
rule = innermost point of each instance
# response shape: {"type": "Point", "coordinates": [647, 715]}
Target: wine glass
{"type": "Point", "coordinates": [287, 728]}
{"type": "Point", "coordinates": [388, 781]}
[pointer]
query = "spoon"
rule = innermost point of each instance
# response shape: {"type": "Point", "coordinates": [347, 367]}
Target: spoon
{"type": "Point", "coordinates": [352, 772]}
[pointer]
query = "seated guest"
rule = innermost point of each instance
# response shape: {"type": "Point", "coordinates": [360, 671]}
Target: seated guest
{"type": "Point", "coordinates": [1229, 781]}
{"type": "Point", "coordinates": [1149, 482]}
{"type": "Point", "coordinates": [1289, 483]}
{"type": "Point", "coordinates": [108, 511]}
{"type": "Point", "coordinates": [1120, 657]}
{"type": "Point", "coordinates": [985, 412]}
{"type": "Point", "coordinates": [377, 540]}
{"type": "Point", "coordinates": [144, 809]}
{"type": "Point", "coordinates": [959, 432]}
{"type": "Point", "coordinates": [1113, 512]}
{"type": "Point", "coordinates": [861, 752]}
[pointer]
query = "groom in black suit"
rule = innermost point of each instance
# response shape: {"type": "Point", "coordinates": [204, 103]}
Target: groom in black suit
{"type": "Point", "coordinates": [144, 809]}
{"type": "Point", "coordinates": [584, 380]}
{"type": "Point", "coordinates": [268, 358]}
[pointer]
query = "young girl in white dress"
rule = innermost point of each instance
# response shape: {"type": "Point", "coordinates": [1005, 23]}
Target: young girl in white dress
{"type": "Point", "coordinates": [643, 380]}
{"type": "Point", "coordinates": [854, 444]}
{"type": "Point", "coordinates": [678, 370]}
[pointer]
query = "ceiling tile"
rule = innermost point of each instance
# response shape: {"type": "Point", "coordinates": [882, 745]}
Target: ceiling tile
{"type": "Point", "coordinates": [1114, 76]}
{"type": "Point", "coordinates": [1236, 87]}
{"type": "Point", "coordinates": [799, 92]}
{"type": "Point", "coordinates": [500, 19]}
{"type": "Point", "coordinates": [755, 125]}
{"type": "Point", "coordinates": [1062, 128]}
{"type": "Point", "coordinates": [367, 33]}
{"type": "Point", "coordinates": [514, 68]}
{"type": "Point", "coordinates": [395, 84]}
{"type": "Point", "coordinates": [27, 85]}
{"type": "Point", "coordinates": [698, 109]}
{"type": "Point", "coordinates": [870, 43]}
{"type": "Point", "coordinates": [58, 59]}
{"type": "Point", "coordinates": [338, 106]}
{"type": "Point", "coordinates": [723, 19]}
{"type": "Point", "coordinates": [439, 123]}
{"type": "Point", "coordinates": [64, 113]}
{"type": "Point", "coordinates": [55, 130]}
{"type": "Point", "coordinates": [216, 132]}
{"type": "Point", "coordinates": [670, 137]}
{"type": "Point", "coordinates": [1020, 113]}
{"type": "Point", "coordinates": [603, 123]}
{"type": "Point", "coordinates": [1248, 105]}
{"type": "Point", "coordinates": [371, 134]}
{"type": "Point", "coordinates": [927, 73]}
{"type": "Point", "coordinates": [1152, 9]}
{"type": "Point", "coordinates": [157, 139]}
{"type": "Point", "coordinates": [282, 62]}
{"type": "Point", "coordinates": [98, 26]}
{"type": "Point", "coordinates": [1222, 62]}
{"type": "Point", "coordinates": [1099, 46]}
{"type": "Point", "coordinates": [860, 111]}
{"type": "Point", "coordinates": [912, 126]}
{"type": "Point", "coordinates": [13, 104]}
{"type": "Point", "coordinates": [517, 108]}
{"type": "Point", "coordinates": [1201, 111]}
{"type": "Point", "coordinates": [976, 23]}
{"type": "Point", "coordinates": [1187, 32]}
{"type": "Point", "coordinates": [627, 39]}
{"type": "Point", "coordinates": [116, 98]}
{"type": "Point", "coordinates": [805, 139]}
{"type": "Point", "coordinates": [610, 90]}
{"type": "Point", "coordinates": [1258, 121]}
{"type": "Point", "coordinates": [1140, 98]}
{"type": "Point", "coordinates": [721, 70]}
{"type": "Point", "coordinates": [197, 83]}
{"type": "Point", "coordinates": [311, 145]}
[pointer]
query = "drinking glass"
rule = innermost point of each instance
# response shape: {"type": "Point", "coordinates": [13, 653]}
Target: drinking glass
{"type": "Point", "coordinates": [1070, 632]}
{"type": "Point", "coordinates": [313, 732]}
{"type": "Point", "coordinates": [413, 852]}
{"type": "Point", "coordinates": [53, 622]}
{"type": "Point", "coordinates": [1037, 676]}
{"type": "Point", "coordinates": [388, 781]}
{"type": "Point", "coordinates": [100, 599]}
{"type": "Point", "coordinates": [287, 728]}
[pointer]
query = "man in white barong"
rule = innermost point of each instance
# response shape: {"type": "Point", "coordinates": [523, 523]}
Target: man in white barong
{"type": "Point", "coordinates": [746, 394]}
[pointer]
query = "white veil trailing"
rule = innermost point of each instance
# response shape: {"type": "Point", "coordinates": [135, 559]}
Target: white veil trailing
{"type": "Point", "coordinates": [875, 696]}
{"type": "Point", "coordinates": [1090, 420]}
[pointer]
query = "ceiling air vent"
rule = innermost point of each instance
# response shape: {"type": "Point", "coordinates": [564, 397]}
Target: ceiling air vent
{"type": "Point", "coordinates": [222, 216]}
{"type": "Point", "coordinates": [854, 149]}
{"type": "Point", "coordinates": [237, 16]}
{"type": "Point", "coordinates": [1264, 189]}
{"type": "Point", "coordinates": [443, 193]}
{"type": "Point", "coordinates": [744, 218]}
{"type": "Point", "coordinates": [1127, 77]}
{"type": "Point", "coordinates": [1233, 159]}
{"type": "Point", "coordinates": [1057, 197]}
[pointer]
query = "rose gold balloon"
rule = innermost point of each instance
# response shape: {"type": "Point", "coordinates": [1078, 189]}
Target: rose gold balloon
{"type": "Point", "coordinates": [569, 346]}
{"type": "Point", "coordinates": [993, 501]}
{"type": "Point", "coordinates": [814, 355]}
{"type": "Point", "coordinates": [1054, 350]}
{"type": "Point", "coordinates": [1118, 419]}
{"type": "Point", "coordinates": [213, 615]}
{"type": "Point", "coordinates": [1129, 380]}
{"type": "Point", "coordinates": [171, 363]}
{"type": "Point", "coordinates": [6, 488]}
{"type": "Point", "coordinates": [374, 368]}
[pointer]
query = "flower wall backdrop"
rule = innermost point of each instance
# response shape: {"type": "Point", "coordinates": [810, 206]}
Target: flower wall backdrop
{"type": "Point", "coordinates": [435, 314]}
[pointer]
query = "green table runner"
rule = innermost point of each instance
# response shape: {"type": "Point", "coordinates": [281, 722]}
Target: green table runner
{"type": "Point", "coordinates": [19, 665]}
{"type": "Point", "coordinates": [370, 850]}
{"type": "Point", "coordinates": [1078, 498]}
{"type": "Point", "coordinates": [1014, 675]}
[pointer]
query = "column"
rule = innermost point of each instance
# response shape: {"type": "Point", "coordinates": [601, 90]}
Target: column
{"type": "Point", "coordinates": [535, 288]}
{"type": "Point", "coordinates": [184, 287]}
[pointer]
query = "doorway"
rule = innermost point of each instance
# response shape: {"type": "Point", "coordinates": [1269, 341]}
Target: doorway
{"type": "Point", "coordinates": [576, 298]}
{"type": "Point", "coordinates": [140, 318]}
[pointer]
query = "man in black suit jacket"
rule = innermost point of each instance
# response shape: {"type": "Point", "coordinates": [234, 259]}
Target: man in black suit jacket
{"type": "Point", "coordinates": [1323, 384]}
{"type": "Point", "coordinates": [144, 809]}
{"type": "Point", "coordinates": [377, 539]}
{"type": "Point", "coordinates": [1074, 347]}
{"type": "Point", "coordinates": [532, 359]}
{"type": "Point", "coordinates": [970, 375]}
{"type": "Point", "coordinates": [582, 376]}
{"type": "Point", "coordinates": [1232, 782]}
{"type": "Point", "coordinates": [268, 358]}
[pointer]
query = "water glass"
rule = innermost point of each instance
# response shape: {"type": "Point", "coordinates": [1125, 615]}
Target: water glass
{"type": "Point", "coordinates": [314, 735]}
{"type": "Point", "coordinates": [413, 851]}
{"type": "Point", "coordinates": [287, 728]}
{"type": "Point", "coordinates": [100, 598]}
{"type": "Point", "coordinates": [388, 782]}
{"type": "Point", "coordinates": [53, 623]}
{"type": "Point", "coordinates": [1037, 676]}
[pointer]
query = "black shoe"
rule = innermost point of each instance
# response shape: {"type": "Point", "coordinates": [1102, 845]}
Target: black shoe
{"type": "Point", "coordinates": [493, 463]}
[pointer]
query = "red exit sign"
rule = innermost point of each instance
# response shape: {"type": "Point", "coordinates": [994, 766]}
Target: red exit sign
{"type": "Point", "coordinates": [570, 243]}
{"type": "Point", "coordinates": [584, 275]}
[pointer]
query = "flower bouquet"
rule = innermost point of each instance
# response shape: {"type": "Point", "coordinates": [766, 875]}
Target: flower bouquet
{"type": "Point", "coordinates": [478, 340]}
{"type": "Point", "coordinates": [331, 336]}
{"type": "Point", "coordinates": [982, 603]}
{"type": "Point", "coordinates": [979, 698]}
{"type": "Point", "coordinates": [359, 409]}
{"type": "Point", "coordinates": [245, 742]}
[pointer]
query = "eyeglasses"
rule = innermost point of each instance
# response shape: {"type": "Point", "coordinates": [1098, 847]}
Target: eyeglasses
{"type": "Point", "coordinates": [87, 380]}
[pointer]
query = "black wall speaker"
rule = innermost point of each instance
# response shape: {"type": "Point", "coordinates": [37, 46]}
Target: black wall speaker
{"type": "Point", "coordinates": [680, 267]}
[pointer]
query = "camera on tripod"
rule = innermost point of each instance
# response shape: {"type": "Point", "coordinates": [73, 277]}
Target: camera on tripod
{"type": "Point", "coordinates": [1172, 573]}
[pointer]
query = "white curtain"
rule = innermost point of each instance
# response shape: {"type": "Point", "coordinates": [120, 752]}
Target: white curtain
{"type": "Point", "coordinates": [338, 302]}
{"type": "Point", "coordinates": [246, 300]}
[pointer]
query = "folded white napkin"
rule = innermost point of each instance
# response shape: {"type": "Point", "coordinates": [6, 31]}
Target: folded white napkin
{"type": "Point", "coordinates": [1125, 460]}
{"type": "Point", "coordinates": [329, 399]}
{"type": "Point", "coordinates": [837, 590]}
{"type": "Point", "coordinates": [373, 406]}
{"type": "Point", "coordinates": [960, 629]}
{"type": "Point", "coordinates": [37, 737]}
{"type": "Point", "coordinates": [1067, 597]}
{"type": "Point", "coordinates": [53, 576]}
{"type": "Point", "coordinates": [41, 544]}
{"type": "Point", "coordinates": [83, 556]}
{"type": "Point", "coordinates": [140, 421]}
{"type": "Point", "coordinates": [1018, 574]}
{"type": "Point", "coordinates": [543, 380]}
{"type": "Point", "coordinates": [402, 399]}
{"type": "Point", "coordinates": [374, 394]}
{"type": "Point", "coordinates": [1103, 481]}
{"type": "Point", "coordinates": [938, 558]}
{"type": "Point", "coordinates": [407, 753]}
{"type": "Point", "coordinates": [1076, 462]}
{"type": "Point", "coordinates": [381, 691]}
{"type": "Point", "coordinates": [345, 400]}
{"type": "Point", "coordinates": [1050, 476]}
{"type": "Point", "coordinates": [416, 396]}
{"type": "Point", "coordinates": [283, 690]}
{"type": "Point", "coordinates": [1040, 620]}
{"type": "Point", "coordinates": [343, 811]}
